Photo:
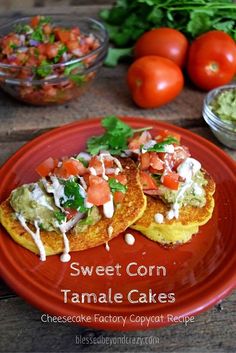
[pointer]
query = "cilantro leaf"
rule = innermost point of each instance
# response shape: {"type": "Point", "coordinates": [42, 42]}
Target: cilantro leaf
{"type": "Point", "coordinates": [44, 69]}
{"type": "Point", "coordinates": [75, 199]}
{"type": "Point", "coordinates": [38, 34]}
{"type": "Point", "coordinates": [59, 216]}
{"type": "Point", "coordinates": [160, 146]}
{"type": "Point", "coordinates": [115, 185]}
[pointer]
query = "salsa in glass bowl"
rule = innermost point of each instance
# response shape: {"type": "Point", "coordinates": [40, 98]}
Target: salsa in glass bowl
{"type": "Point", "coordinates": [50, 60]}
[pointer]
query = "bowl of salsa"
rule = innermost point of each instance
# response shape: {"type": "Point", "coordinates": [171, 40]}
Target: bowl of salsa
{"type": "Point", "coordinates": [47, 60]}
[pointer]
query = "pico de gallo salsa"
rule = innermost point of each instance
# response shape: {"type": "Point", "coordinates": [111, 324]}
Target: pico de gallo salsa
{"type": "Point", "coordinates": [44, 57]}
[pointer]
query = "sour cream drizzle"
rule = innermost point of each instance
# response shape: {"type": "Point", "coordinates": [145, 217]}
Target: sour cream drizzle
{"type": "Point", "coordinates": [108, 208]}
{"type": "Point", "coordinates": [187, 169]}
{"type": "Point", "coordinates": [35, 235]}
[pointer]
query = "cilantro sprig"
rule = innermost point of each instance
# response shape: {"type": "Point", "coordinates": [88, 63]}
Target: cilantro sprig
{"type": "Point", "coordinates": [115, 185]}
{"type": "Point", "coordinates": [160, 146]}
{"type": "Point", "coordinates": [114, 139]}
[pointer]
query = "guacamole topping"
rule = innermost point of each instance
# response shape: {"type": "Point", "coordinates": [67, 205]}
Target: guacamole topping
{"type": "Point", "coordinates": [33, 203]}
{"type": "Point", "coordinates": [194, 195]}
{"type": "Point", "coordinates": [224, 105]}
{"type": "Point", "coordinates": [93, 216]}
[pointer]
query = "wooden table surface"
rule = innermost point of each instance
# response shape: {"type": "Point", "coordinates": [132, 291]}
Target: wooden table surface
{"type": "Point", "coordinates": [20, 327]}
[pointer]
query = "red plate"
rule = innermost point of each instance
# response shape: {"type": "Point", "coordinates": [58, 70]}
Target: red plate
{"type": "Point", "coordinates": [199, 273]}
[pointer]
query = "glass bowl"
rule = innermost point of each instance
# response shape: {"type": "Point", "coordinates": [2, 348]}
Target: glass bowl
{"type": "Point", "coordinates": [225, 131]}
{"type": "Point", "coordinates": [65, 81]}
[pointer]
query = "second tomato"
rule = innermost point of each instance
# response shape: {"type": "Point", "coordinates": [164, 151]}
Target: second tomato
{"type": "Point", "coordinates": [154, 81]}
{"type": "Point", "coordinates": [166, 42]}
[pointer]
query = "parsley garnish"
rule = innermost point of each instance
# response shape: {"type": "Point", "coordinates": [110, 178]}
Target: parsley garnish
{"type": "Point", "coordinates": [160, 146]}
{"type": "Point", "coordinates": [59, 216]}
{"type": "Point", "coordinates": [75, 199]}
{"type": "Point", "coordinates": [114, 139]}
{"type": "Point", "coordinates": [44, 69]}
{"type": "Point", "coordinates": [115, 185]}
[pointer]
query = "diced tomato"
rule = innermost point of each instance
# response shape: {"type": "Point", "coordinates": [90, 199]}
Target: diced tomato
{"type": "Point", "coordinates": [74, 167]}
{"type": "Point", "coordinates": [118, 196]}
{"type": "Point", "coordinates": [35, 21]}
{"type": "Point", "coordinates": [108, 163]}
{"type": "Point", "coordinates": [138, 140]}
{"type": "Point", "coordinates": [72, 45]}
{"type": "Point", "coordinates": [70, 167]}
{"type": "Point", "coordinates": [51, 50]}
{"type": "Point", "coordinates": [147, 181]}
{"type": "Point", "coordinates": [46, 167]}
{"type": "Point", "coordinates": [163, 134]}
{"type": "Point", "coordinates": [98, 191]}
{"type": "Point", "coordinates": [145, 161]}
{"type": "Point", "coordinates": [47, 28]}
{"type": "Point", "coordinates": [70, 213]}
{"type": "Point", "coordinates": [171, 180]}
{"type": "Point", "coordinates": [42, 48]}
{"type": "Point", "coordinates": [155, 161]}
{"type": "Point", "coordinates": [96, 164]}
{"type": "Point", "coordinates": [62, 34]}
{"type": "Point", "coordinates": [121, 178]}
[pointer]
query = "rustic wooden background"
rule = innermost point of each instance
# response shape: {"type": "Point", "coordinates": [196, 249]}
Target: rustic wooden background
{"type": "Point", "coordinates": [20, 327]}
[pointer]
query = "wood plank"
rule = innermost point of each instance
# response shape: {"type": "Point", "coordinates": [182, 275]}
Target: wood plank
{"type": "Point", "coordinates": [19, 10]}
{"type": "Point", "coordinates": [22, 331]}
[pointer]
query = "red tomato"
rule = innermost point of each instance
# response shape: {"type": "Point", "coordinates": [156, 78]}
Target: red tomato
{"type": "Point", "coordinates": [154, 81]}
{"type": "Point", "coordinates": [118, 196]}
{"type": "Point", "coordinates": [165, 42]}
{"type": "Point", "coordinates": [147, 181]}
{"type": "Point", "coordinates": [163, 134]}
{"type": "Point", "coordinates": [155, 162]}
{"type": "Point", "coordinates": [74, 167]}
{"type": "Point", "coordinates": [171, 180]}
{"type": "Point", "coordinates": [98, 191]}
{"type": "Point", "coordinates": [35, 21]}
{"type": "Point", "coordinates": [62, 34]}
{"type": "Point", "coordinates": [145, 160]}
{"type": "Point", "coordinates": [46, 167]}
{"type": "Point", "coordinates": [51, 50]}
{"type": "Point", "coordinates": [121, 178]}
{"type": "Point", "coordinates": [212, 60]}
{"type": "Point", "coordinates": [96, 164]}
{"type": "Point", "coordinates": [70, 213]}
{"type": "Point", "coordinates": [72, 45]}
{"type": "Point", "coordinates": [138, 140]}
{"type": "Point", "coordinates": [108, 163]}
